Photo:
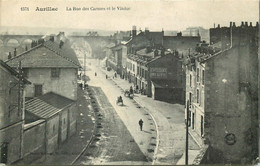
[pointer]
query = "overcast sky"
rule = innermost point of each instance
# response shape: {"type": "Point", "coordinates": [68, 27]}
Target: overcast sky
{"type": "Point", "coordinates": [169, 15]}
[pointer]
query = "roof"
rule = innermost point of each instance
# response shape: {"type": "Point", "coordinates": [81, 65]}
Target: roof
{"type": "Point", "coordinates": [163, 83]}
{"type": "Point", "coordinates": [47, 54]}
{"type": "Point", "coordinates": [139, 58]}
{"type": "Point", "coordinates": [56, 100]}
{"type": "Point", "coordinates": [47, 105]}
{"type": "Point", "coordinates": [13, 72]}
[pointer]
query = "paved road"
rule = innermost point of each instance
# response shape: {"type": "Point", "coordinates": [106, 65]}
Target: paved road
{"type": "Point", "coordinates": [170, 123]}
{"type": "Point", "coordinates": [113, 142]}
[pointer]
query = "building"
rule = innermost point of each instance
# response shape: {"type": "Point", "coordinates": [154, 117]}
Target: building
{"type": "Point", "coordinates": [58, 113]}
{"type": "Point", "coordinates": [50, 68]}
{"type": "Point", "coordinates": [143, 40]}
{"type": "Point", "coordinates": [180, 43]}
{"type": "Point", "coordinates": [11, 113]}
{"type": "Point", "coordinates": [158, 74]}
{"type": "Point", "coordinates": [117, 59]}
{"type": "Point", "coordinates": [167, 78]}
{"type": "Point", "coordinates": [221, 94]}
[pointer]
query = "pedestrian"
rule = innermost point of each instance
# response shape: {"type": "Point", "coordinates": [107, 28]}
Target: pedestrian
{"type": "Point", "coordinates": [106, 76]}
{"type": "Point", "coordinates": [95, 74]}
{"type": "Point", "coordinates": [141, 124]}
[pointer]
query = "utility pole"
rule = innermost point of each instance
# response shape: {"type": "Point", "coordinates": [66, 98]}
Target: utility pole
{"type": "Point", "coordinates": [84, 77]}
{"type": "Point", "coordinates": [187, 133]}
{"type": "Point", "coordinates": [19, 86]}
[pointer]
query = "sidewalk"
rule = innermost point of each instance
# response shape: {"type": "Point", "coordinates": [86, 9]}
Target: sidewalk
{"type": "Point", "coordinates": [170, 120]}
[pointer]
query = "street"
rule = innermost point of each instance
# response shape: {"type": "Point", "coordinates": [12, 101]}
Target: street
{"type": "Point", "coordinates": [162, 140]}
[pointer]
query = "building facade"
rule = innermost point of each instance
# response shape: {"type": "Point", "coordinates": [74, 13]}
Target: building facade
{"type": "Point", "coordinates": [50, 69]}
{"type": "Point", "coordinates": [11, 114]}
{"type": "Point", "coordinates": [221, 94]}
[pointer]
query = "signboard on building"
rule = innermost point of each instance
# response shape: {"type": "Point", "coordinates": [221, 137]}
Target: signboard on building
{"type": "Point", "coordinates": [158, 72]}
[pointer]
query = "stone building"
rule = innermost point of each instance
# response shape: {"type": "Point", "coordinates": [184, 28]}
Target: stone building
{"type": "Point", "coordinates": [11, 113]}
{"type": "Point", "coordinates": [50, 68]}
{"type": "Point", "coordinates": [166, 78]}
{"type": "Point", "coordinates": [221, 94]}
{"type": "Point", "coordinates": [158, 74]}
{"type": "Point", "coordinates": [117, 59]}
{"type": "Point", "coordinates": [58, 113]}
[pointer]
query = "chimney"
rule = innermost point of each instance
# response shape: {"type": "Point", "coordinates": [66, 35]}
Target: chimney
{"type": "Point", "coordinates": [134, 31]}
{"type": "Point", "coordinates": [179, 34]}
{"type": "Point", "coordinates": [14, 52]}
{"type": "Point", "coordinates": [10, 55]}
{"type": "Point", "coordinates": [230, 24]}
{"type": "Point", "coordinates": [257, 24]}
{"type": "Point", "coordinates": [52, 38]}
{"type": "Point", "coordinates": [242, 23]}
{"type": "Point", "coordinates": [61, 44]}
{"type": "Point", "coordinates": [234, 24]}
{"type": "Point", "coordinates": [246, 24]}
{"type": "Point", "coordinates": [251, 24]}
{"type": "Point", "coordinates": [146, 32]}
{"type": "Point", "coordinates": [218, 25]}
{"type": "Point", "coordinates": [162, 32]}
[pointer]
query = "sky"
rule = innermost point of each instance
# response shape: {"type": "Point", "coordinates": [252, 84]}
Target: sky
{"type": "Point", "coordinates": [154, 14]}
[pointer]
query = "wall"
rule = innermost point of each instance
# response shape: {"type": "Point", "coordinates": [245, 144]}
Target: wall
{"type": "Point", "coordinates": [65, 85]}
{"type": "Point", "coordinates": [174, 73]}
{"type": "Point", "coordinates": [10, 116]}
{"type": "Point", "coordinates": [52, 130]}
{"type": "Point", "coordinates": [72, 119]}
{"type": "Point", "coordinates": [12, 136]}
{"type": "Point", "coordinates": [229, 107]}
{"type": "Point", "coordinates": [8, 97]}
{"type": "Point", "coordinates": [63, 133]}
{"type": "Point", "coordinates": [34, 141]}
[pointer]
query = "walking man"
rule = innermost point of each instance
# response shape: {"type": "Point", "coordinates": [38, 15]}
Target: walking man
{"type": "Point", "coordinates": [141, 124]}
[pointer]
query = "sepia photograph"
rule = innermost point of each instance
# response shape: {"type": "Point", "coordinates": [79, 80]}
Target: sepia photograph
{"type": "Point", "coordinates": [129, 82]}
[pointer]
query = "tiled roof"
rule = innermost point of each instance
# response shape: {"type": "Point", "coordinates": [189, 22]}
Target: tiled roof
{"type": "Point", "coordinates": [46, 55]}
{"type": "Point", "coordinates": [139, 58]}
{"type": "Point", "coordinates": [64, 52]}
{"type": "Point", "coordinates": [56, 100]}
{"type": "Point", "coordinates": [47, 105]}
{"type": "Point", "coordinates": [41, 108]}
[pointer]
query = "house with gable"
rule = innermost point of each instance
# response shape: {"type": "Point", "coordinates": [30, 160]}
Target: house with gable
{"type": "Point", "coordinates": [50, 68]}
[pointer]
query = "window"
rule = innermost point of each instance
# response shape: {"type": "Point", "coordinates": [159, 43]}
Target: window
{"type": "Point", "coordinates": [202, 126]}
{"type": "Point", "coordinates": [198, 75]}
{"type": "Point", "coordinates": [25, 73]}
{"type": "Point", "coordinates": [55, 72]}
{"type": "Point", "coordinates": [198, 96]}
{"type": "Point", "coordinates": [133, 67]}
{"type": "Point", "coordinates": [203, 77]}
{"type": "Point", "coordinates": [53, 128]}
{"type": "Point", "coordinates": [190, 80]}
{"type": "Point", "coordinates": [190, 98]}
{"type": "Point", "coordinates": [193, 119]}
{"type": "Point", "coordinates": [3, 153]}
{"type": "Point", "coordinates": [64, 121]}
{"type": "Point", "coordinates": [138, 69]}
{"type": "Point", "coordinates": [37, 90]}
